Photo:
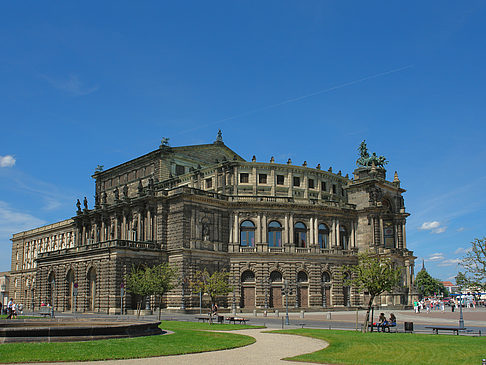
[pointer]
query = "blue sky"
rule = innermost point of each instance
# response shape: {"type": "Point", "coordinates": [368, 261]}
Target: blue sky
{"type": "Point", "coordinates": [94, 83]}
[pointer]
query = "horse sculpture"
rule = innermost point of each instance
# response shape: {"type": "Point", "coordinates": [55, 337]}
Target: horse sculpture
{"type": "Point", "coordinates": [366, 160]}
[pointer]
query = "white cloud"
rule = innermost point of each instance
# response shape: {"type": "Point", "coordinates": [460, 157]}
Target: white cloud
{"type": "Point", "coordinates": [12, 221]}
{"type": "Point", "coordinates": [7, 161]}
{"type": "Point", "coordinates": [433, 227]}
{"type": "Point", "coordinates": [460, 229]}
{"type": "Point", "coordinates": [72, 85]}
{"type": "Point", "coordinates": [449, 262]}
{"type": "Point", "coordinates": [436, 257]}
{"type": "Point", "coordinates": [461, 250]}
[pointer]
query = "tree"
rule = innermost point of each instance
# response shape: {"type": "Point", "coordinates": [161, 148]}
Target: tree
{"type": "Point", "coordinates": [138, 285]}
{"type": "Point", "coordinates": [373, 274]}
{"type": "Point", "coordinates": [474, 264]}
{"type": "Point", "coordinates": [161, 279]}
{"type": "Point", "coordinates": [144, 281]}
{"type": "Point", "coordinates": [428, 286]}
{"type": "Point", "coordinates": [214, 285]}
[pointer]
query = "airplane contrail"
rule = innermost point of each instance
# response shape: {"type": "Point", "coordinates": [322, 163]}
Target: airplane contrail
{"type": "Point", "coordinates": [298, 98]}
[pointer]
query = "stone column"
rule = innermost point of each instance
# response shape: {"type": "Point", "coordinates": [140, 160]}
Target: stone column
{"type": "Point", "coordinates": [273, 179]}
{"type": "Point", "coordinates": [124, 228]}
{"type": "Point", "coordinates": [264, 228]}
{"type": "Point", "coordinates": [352, 238]}
{"type": "Point", "coordinates": [258, 235]}
{"type": "Point", "coordinates": [332, 234]}
{"type": "Point", "coordinates": [404, 235]}
{"type": "Point", "coordinates": [286, 229]}
{"type": "Point", "coordinates": [231, 228]}
{"type": "Point", "coordinates": [236, 230]}
{"type": "Point", "coordinates": [291, 229]}
{"type": "Point", "coordinates": [382, 238]}
{"type": "Point", "coordinates": [338, 234]}
{"type": "Point", "coordinates": [291, 184]}
{"type": "Point", "coordinates": [311, 231]}
{"type": "Point", "coordinates": [316, 231]}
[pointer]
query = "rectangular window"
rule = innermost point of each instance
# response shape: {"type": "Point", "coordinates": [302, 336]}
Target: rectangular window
{"type": "Point", "coordinates": [280, 179]}
{"type": "Point", "coordinates": [209, 183]}
{"type": "Point", "coordinates": [342, 192]}
{"type": "Point", "coordinates": [323, 186]}
{"type": "Point", "coordinates": [180, 170]}
{"type": "Point", "coordinates": [262, 178]}
{"type": "Point", "coordinates": [334, 188]}
{"type": "Point", "coordinates": [244, 178]}
{"type": "Point", "coordinates": [311, 183]}
{"type": "Point", "coordinates": [296, 181]}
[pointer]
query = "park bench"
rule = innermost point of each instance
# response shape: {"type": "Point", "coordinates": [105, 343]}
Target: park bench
{"type": "Point", "coordinates": [218, 318]}
{"type": "Point", "coordinates": [455, 330]}
{"type": "Point", "coordinates": [203, 318]}
{"type": "Point", "coordinates": [385, 328]}
{"type": "Point", "coordinates": [236, 319]}
{"type": "Point", "coordinates": [45, 311]}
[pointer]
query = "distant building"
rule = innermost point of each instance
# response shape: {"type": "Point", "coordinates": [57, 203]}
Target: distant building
{"type": "Point", "coordinates": [206, 207]}
{"type": "Point", "coordinates": [4, 287]}
{"type": "Point", "coordinates": [451, 288]}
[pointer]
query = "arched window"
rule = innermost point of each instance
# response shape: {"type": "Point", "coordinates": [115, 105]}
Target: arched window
{"type": "Point", "coordinates": [302, 277]}
{"type": "Point", "coordinates": [343, 237]}
{"type": "Point", "coordinates": [91, 288]}
{"type": "Point", "coordinates": [326, 277]}
{"type": "Point", "coordinates": [346, 290]}
{"type": "Point", "coordinates": [70, 289]}
{"type": "Point", "coordinates": [274, 234]}
{"type": "Point", "coordinates": [276, 277]}
{"type": "Point", "coordinates": [323, 236]}
{"type": "Point", "coordinates": [300, 234]}
{"type": "Point", "coordinates": [247, 234]}
{"type": "Point", "coordinates": [248, 277]}
{"type": "Point", "coordinates": [51, 286]}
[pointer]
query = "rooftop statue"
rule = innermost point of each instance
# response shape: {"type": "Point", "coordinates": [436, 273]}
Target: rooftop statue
{"type": "Point", "coordinates": [164, 142]}
{"type": "Point", "coordinates": [219, 137]}
{"type": "Point", "coordinates": [366, 160]}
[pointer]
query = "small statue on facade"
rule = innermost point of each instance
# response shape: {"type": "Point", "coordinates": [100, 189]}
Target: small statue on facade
{"type": "Point", "coordinates": [117, 194]}
{"type": "Point", "coordinates": [85, 202]}
{"type": "Point", "coordinates": [103, 198]}
{"type": "Point", "coordinates": [78, 206]}
{"type": "Point", "coordinates": [205, 231]}
{"type": "Point", "coordinates": [125, 191]}
{"type": "Point", "coordinates": [99, 168]}
{"type": "Point", "coordinates": [97, 199]}
{"type": "Point", "coordinates": [151, 184]}
{"type": "Point", "coordinates": [219, 137]}
{"type": "Point", "coordinates": [164, 142]}
{"type": "Point", "coordinates": [140, 188]}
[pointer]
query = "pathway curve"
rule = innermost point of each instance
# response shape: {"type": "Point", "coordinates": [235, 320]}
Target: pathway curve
{"type": "Point", "coordinates": [268, 349]}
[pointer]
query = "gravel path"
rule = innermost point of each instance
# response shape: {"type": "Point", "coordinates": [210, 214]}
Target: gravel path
{"type": "Point", "coordinates": [269, 348]}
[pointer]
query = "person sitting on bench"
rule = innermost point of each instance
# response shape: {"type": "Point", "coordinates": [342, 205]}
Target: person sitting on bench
{"type": "Point", "coordinates": [382, 322]}
{"type": "Point", "coordinates": [393, 320]}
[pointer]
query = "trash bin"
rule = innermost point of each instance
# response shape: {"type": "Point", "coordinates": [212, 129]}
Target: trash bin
{"type": "Point", "coordinates": [408, 326]}
{"type": "Point", "coordinates": [220, 319]}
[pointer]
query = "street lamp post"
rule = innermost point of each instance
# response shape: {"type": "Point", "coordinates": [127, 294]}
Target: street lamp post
{"type": "Point", "coordinates": [286, 290]}
{"type": "Point", "coordinates": [461, 319]}
{"type": "Point", "coordinates": [53, 287]}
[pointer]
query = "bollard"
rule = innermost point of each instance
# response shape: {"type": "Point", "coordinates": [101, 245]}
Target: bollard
{"type": "Point", "coordinates": [329, 316]}
{"type": "Point", "coordinates": [254, 312]}
{"type": "Point", "coordinates": [276, 312]}
{"type": "Point", "coordinates": [282, 322]}
{"type": "Point", "coordinates": [301, 314]}
{"type": "Point", "coordinates": [265, 313]}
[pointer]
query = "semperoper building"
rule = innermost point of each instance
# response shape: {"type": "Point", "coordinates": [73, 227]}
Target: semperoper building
{"type": "Point", "coordinates": [204, 206]}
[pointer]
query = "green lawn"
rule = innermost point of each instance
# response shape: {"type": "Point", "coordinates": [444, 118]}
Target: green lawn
{"type": "Point", "coordinates": [189, 337]}
{"type": "Point", "coordinates": [349, 347]}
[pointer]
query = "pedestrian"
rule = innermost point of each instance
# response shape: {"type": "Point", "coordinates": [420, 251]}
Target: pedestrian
{"type": "Point", "coordinates": [9, 308]}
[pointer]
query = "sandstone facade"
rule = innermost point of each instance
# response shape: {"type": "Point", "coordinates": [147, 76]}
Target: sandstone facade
{"type": "Point", "coordinates": [205, 206]}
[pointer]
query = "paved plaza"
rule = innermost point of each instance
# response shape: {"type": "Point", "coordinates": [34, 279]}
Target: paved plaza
{"type": "Point", "coordinates": [269, 348]}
